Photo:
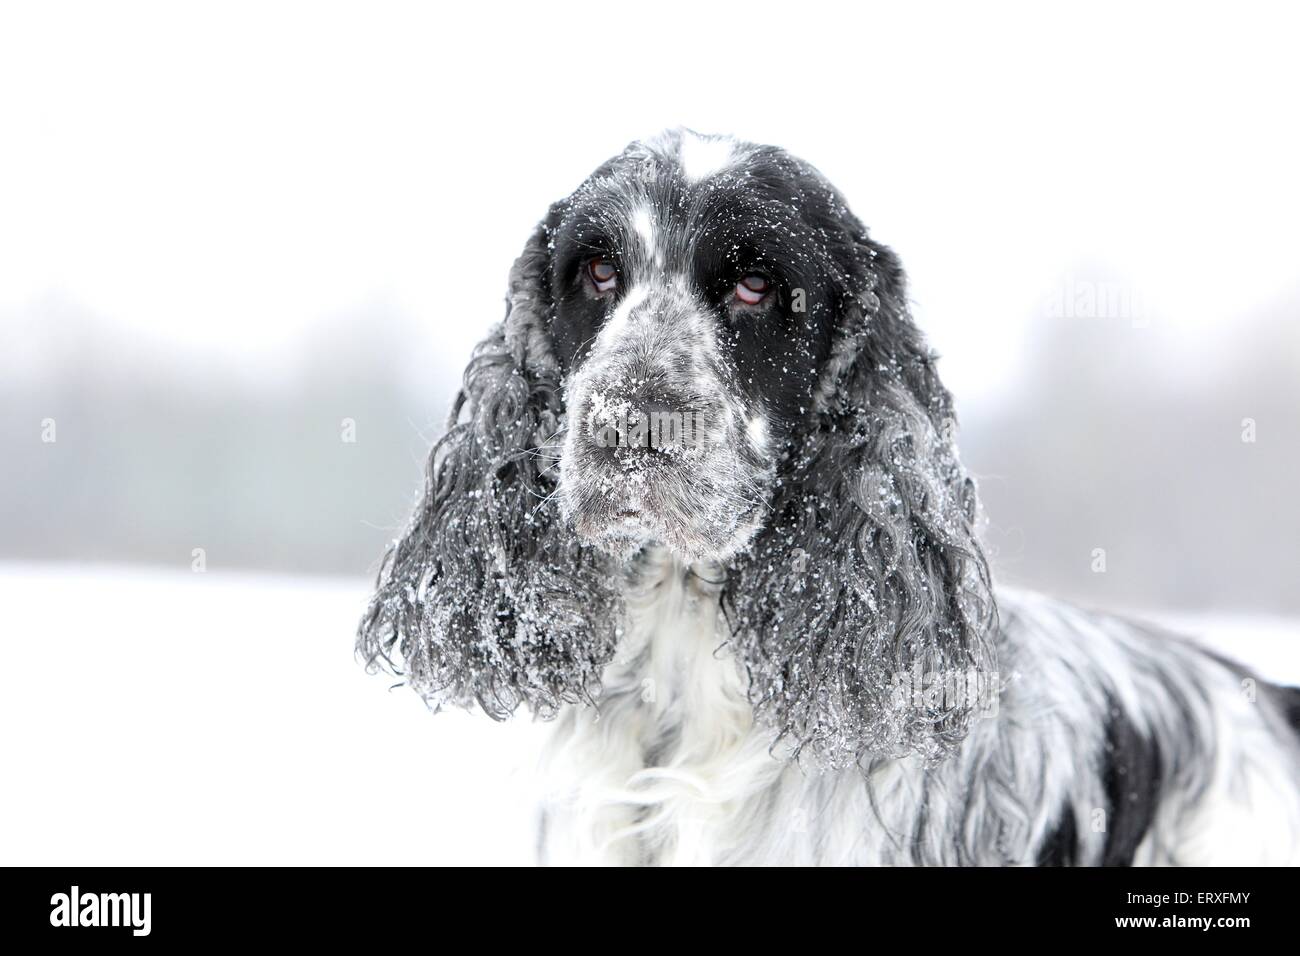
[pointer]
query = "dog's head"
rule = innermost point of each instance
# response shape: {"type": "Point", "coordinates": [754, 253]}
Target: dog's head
{"type": "Point", "coordinates": [703, 349]}
{"type": "Point", "coordinates": [697, 285]}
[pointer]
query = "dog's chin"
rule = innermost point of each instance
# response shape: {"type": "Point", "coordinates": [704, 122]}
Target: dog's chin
{"type": "Point", "coordinates": [706, 537]}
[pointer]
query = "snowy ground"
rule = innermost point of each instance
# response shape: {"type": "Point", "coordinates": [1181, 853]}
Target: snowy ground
{"type": "Point", "coordinates": [179, 718]}
{"type": "Point", "coordinates": [154, 717]}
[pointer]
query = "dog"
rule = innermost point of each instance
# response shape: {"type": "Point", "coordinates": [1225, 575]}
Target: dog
{"type": "Point", "coordinates": [700, 505]}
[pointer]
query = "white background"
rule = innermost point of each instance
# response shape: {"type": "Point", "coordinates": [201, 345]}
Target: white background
{"type": "Point", "coordinates": [224, 176]}
{"type": "Point", "coordinates": [221, 179]}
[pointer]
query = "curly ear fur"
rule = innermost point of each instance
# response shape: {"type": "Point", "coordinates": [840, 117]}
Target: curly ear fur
{"type": "Point", "coordinates": [868, 595]}
{"type": "Point", "coordinates": [487, 596]}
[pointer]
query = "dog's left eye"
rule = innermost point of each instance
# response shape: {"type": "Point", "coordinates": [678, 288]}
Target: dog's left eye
{"type": "Point", "coordinates": [752, 289]}
{"type": "Point", "coordinates": [603, 273]}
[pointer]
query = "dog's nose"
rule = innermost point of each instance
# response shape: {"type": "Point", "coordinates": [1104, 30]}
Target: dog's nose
{"type": "Point", "coordinates": [641, 426]}
{"type": "Point", "coordinates": [645, 423]}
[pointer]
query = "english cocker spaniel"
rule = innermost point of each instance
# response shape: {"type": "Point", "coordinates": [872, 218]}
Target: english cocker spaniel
{"type": "Point", "coordinates": [699, 503]}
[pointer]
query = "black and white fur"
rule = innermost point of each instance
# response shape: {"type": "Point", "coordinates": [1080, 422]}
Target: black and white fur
{"type": "Point", "coordinates": [780, 643]}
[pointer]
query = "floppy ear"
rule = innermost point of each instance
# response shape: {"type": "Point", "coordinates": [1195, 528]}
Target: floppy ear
{"type": "Point", "coordinates": [864, 611]}
{"type": "Point", "coordinates": [487, 596]}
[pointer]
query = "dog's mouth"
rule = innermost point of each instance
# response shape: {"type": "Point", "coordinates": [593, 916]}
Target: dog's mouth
{"type": "Point", "coordinates": [681, 511]}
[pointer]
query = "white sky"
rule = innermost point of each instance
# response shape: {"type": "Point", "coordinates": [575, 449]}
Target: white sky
{"type": "Point", "coordinates": [226, 178]}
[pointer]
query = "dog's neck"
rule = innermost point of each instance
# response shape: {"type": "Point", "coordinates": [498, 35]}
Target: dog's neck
{"type": "Point", "coordinates": [672, 657]}
{"type": "Point", "coordinates": [661, 763]}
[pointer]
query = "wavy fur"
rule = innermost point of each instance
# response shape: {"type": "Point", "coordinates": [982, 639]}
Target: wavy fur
{"type": "Point", "coordinates": [488, 597]}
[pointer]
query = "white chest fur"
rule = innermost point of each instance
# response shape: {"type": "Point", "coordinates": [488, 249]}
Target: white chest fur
{"type": "Point", "coordinates": [664, 771]}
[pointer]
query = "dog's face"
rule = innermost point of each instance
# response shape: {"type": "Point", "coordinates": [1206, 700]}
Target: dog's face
{"type": "Point", "coordinates": [695, 282]}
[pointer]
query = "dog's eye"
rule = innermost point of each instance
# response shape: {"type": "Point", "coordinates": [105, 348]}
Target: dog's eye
{"type": "Point", "coordinates": [752, 289]}
{"type": "Point", "coordinates": [604, 276]}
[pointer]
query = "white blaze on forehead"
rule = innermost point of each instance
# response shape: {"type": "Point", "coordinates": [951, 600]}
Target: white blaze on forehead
{"type": "Point", "coordinates": [643, 223]}
{"type": "Point", "coordinates": [756, 428]}
{"type": "Point", "coordinates": [618, 322]}
{"type": "Point", "coordinates": [701, 156]}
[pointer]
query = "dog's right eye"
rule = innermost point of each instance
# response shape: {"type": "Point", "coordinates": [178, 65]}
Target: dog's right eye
{"type": "Point", "coordinates": [603, 274]}
{"type": "Point", "coordinates": [752, 289]}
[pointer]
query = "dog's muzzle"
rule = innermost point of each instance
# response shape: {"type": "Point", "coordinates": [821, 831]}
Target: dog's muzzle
{"type": "Point", "coordinates": [656, 446]}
